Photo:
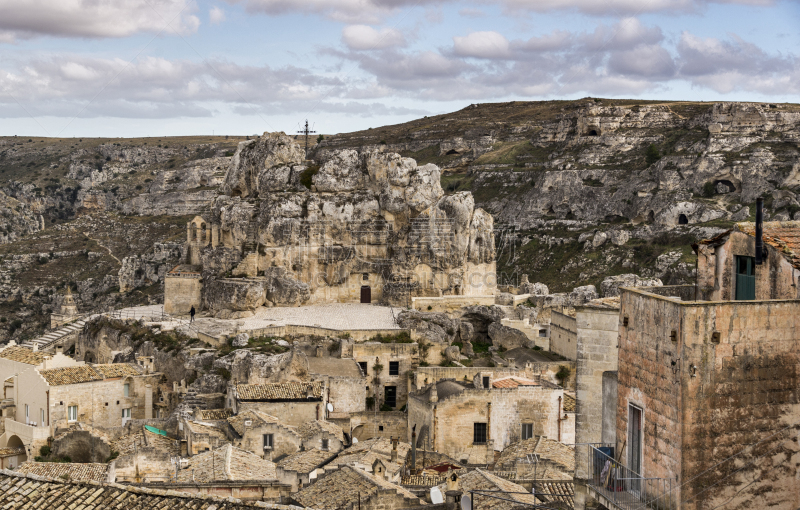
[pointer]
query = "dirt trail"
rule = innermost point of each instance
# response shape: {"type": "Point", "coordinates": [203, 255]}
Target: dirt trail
{"type": "Point", "coordinates": [104, 247]}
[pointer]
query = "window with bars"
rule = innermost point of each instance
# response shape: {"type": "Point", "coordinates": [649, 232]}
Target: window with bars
{"type": "Point", "coordinates": [324, 444]}
{"type": "Point", "coordinates": [394, 368]}
{"type": "Point", "coordinates": [527, 430]}
{"type": "Point", "coordinates": [479, 433]}
{"type": "Point", "coordinates": [268, 444]}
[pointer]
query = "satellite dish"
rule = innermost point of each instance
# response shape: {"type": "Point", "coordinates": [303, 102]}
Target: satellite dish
{"type": "Point", "coordinates": [466, 503]}
{"type": "Point", "coordinates": [355, 441]}
{"type": "Point", "coordinates": [330, 407]}
{"type": "Point", "coordinates": [436, 496]}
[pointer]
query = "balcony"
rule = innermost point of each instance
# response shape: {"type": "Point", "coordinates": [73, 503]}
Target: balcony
{"type": "Point", "coordinates": [26, 433]}
{"type": "Point", "coordinates": [616, 486]}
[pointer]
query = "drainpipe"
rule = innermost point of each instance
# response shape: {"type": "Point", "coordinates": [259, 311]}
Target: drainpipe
{"type": "Point", "coordinates": [48, 407]}
{"type": "Point", "coordinates": [559, 419]}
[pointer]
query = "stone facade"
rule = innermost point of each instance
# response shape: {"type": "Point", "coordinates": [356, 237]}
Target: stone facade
{"type": "Point", "coordinates": [597, 354]}
{"type": "Point", "coordinates": [710, 378]}
{"type": "Point", "coordinates": [776, 278]}
{"type": "Point", "coordinates": [182, 290]}
{"type": "Point", "coordinates": [405, 357]}
{"type": "Point", "coordinates": [563, 334]}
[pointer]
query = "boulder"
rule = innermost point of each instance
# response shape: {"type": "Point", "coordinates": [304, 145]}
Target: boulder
{"type": "Point", "coordinates": [283, 289]}
{"type": "Point", "coordinates": [466, 331]}
{"type": "Point", "coordinates": [240, 340]}
{"type": "Point", "coordinates": [466, 349]}
{"type": "Point", "coordinates": [610, 286]}
{"type": "Point", "coordinates": [435, 327]}
{"type": "Point", "coordinates": [619, 237]}
{"type": "Point", "coordinates": [234, 294]}
{"type": "Point", "coordinates": [582, 295]}
{"type": "Point", "coordinates": [480, 317]}
{"type": "Point", "coordinates": [452, 353]}
{"type": "Point", "coordinates": [506, 337]}
{"type": "Point", "coordinates": [599, 240]}
{"type": "Point", "coordinates": [536, 289]}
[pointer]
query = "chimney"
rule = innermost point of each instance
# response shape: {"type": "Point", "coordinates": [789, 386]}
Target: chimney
{"type": "Point", "coordinates": [59, 349]}
{"type": "Point", "coordinates": [434, 397]}
{"type": "Point", "coordinates": [512, 363]}
{"type": "Point", "coordinates": [394, 449]}
{"type": "Point", "coordinates": [759, 231]}
{"type": "Point", "coordinates": [35, 347]}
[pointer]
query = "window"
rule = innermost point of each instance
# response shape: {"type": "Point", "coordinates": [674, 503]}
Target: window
{"type": "Point", "coordinates": [745, 278]}
{"type": "Point", "coordinates": [479, 433]}
{"type": "Point", "coordinates": [390, 394]}
{"type": "Point", "coordinates": [126, 413]}
{"type": "Point", "coordinates": [363, 365]}
{"type": "Point", "coordinates": [268, 445]}
{"type": "Point", "coordinates": [324, 444]}
{"type": "Point", "coordinates": [394, 368]}
{"type": "Point", "coordinates": [380, 428]}
{"type": "Point", "coordinates": [635, 438]}
{"type": "Point", "coordinates": [365, 276]}
{"type": "Point", "coordinates": [126, 390]}
{"type": "Point", "coordinates": [527, 430]}
{"type": "Point", "coordinates": [486, 383]}
{"type": "Point", "coordinates": [72, 413]}
{"type": "Point", "coordinates": [41, 413]}
{"type": "Point", "coordinates": [543, 333]}
{"type": "Point", "coordinates": [27, 415]}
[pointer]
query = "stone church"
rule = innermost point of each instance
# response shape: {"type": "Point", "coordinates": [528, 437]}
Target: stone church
{"type": "Point", "coordinates": [358, 227]}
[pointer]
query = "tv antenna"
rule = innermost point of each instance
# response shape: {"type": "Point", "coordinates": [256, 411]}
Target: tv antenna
{"type": "Point", "coordinates": [306, 132]}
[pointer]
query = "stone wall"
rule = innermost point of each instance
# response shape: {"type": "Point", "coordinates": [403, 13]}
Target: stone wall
{"type": "Point", "coordinates": [285, 441]}
{"type": "Point", "coordinates": [608, 433]}
{"type": "Point", "coordinates": [181, 293]}
{"type": "Point", "coordinates": [373, 353]}
{"type": "Point", "coordinates": [538, 333]}
{"type": "Point", "coordinates": [776, 278]}
{"type": "Point", "coordinates": [347, 394]}
{"type": "Point", "coordinates": [369, 424]}
{"type": "Point", "coordinates": [449, 304]}
{"type": "Point", "coordinates": [290, 413]}
{"type": "Point", "coordinates": [596, 353]}
{"type": "Point", "coordinates": [734, 382]}
{"type": "Point", "coordinates": [563, 335]}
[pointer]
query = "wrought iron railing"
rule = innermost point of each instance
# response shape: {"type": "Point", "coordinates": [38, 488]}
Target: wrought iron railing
{"type": "Point", "coordinates": [626, 489]}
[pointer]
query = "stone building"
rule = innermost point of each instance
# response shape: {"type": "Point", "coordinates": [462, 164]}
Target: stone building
{"type": "Point", "coordinates": [301, 468]}
{"type": "Point", "coordinates": [202, 437]}
{"type": "Point", "coordinates": [487, 485]}
{"type": "Point", "coordinates": [350, 488]}
{"type": "Point", "coordinates": [295, 402]}
{"type": "Point", "coordinates": [380, 455]}
{"type": "Point", "coordinates": [386, 367]}
{"type": "Point", "coordinates": [359, 227]}
{"type": "Point", "coordinates": [708, 398]}
{"type": "Point", "coordinates": [538, 458]}
{"type": "Point", "coordinates": [726, 268]}
{"type": "Point", "coordinates": [470, 421]}
{"type": "Point", "coordinates": [264, 435]}
{"type": "Point", "coordinates": [564, 333]}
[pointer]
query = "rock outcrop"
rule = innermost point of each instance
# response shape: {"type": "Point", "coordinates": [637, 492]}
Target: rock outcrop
{"type": "Point", "coordinates": [610, 286]}
{"type": "Point", "coordinates": [507, 338]}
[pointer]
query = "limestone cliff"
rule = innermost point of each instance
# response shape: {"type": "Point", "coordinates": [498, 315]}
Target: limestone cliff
{"type": "Point", "coordinates": [319, 233]}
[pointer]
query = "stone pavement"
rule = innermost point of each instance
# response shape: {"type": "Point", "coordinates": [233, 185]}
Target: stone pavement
{"type": "Point", "coordinates": [343, 316]}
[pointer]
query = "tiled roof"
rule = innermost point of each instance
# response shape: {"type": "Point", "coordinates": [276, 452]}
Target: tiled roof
{"type": "Point", "coordinates": [23, 355]}
{"type": "Point", "coordinates": [18, 491]}
{"type": "Point", "coordinates": [213, 414]}
{"type": "Point", "coordinates": [559, 492]}
{"type": "Point", "coordinates": [481, 480]}
{"type": "Point", "coordinates": [560, 455]}
{"type": "Point", "coordinates": [343, 487]}
{"type": "Point", "coordinates": [161, 442]}
{"type": "Point", "coordinates": [227, 463]}
{"type": "Point", "coordinates": [206, 428]}
{"type": "Point", "coordinates": [311, 428]}
{"type": "Point", "coordinates": [367, 452]}
{"type": "Point", "coordinates": [423, 480]}
{"type": "Point", "coordinates": [87, 373]}
{"type": "Point", "coordinates": [8, 452]}
{"type": "Point", "coordinates": [127, 444]}
{"type": "Point", "coordinates": [257, 418]}
{"type": "Point", "coordinates": [569, 403]}
{"type": "Point", "coordinates": [114, 370]}
{"type": "Point", "coordinates": [306, 461]}
{"type": "Point", "coordinates": [514, 382]}
{"type": "Point", "coordinates": [66, 471]}
{"type": "Point", "coordinates": [280, 391]}
{"type": "Point", "coordinates": [784, 236]}
{"type": "Point", "coordinates": [70, 375]}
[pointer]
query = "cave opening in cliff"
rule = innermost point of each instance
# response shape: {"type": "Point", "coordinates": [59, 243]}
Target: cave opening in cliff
{"type": "Point", "coordinates": [683, 220]}
{"type": "Point", "coordinates": [592, 132]}
{"type": "Point", "coordinates": [451, 152]}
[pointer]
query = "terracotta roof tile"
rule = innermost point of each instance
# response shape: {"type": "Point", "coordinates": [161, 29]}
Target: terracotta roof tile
{"type": "Point", "coordinates": [311, 428]}
{"type": "Point", "coordinates": [556, 491]}
{"type": "Point", "coordinates": [784, 236]}
{"type": "Point", "coordinates": [213, 414]}
{"type": "Point", "coordinates": [257, 419]}
{"type": "Point", "coordinates": [31, 491]}
{"type": "Point", "coordinates": [343, 487]}
{"type": "Point", "coordinates": [280, 391]}
{"type": "Point", "coordinates": [514, 382]}
{"type": "Point", "coordinates": [23, 355]}
{"type": "Point", "coordinates": [482, 480]}
{"type": "Point", "coordinates": [66, 470]}
{"type": "Point", "coordinates": [227, 463]}
{"type": "Point", "coordinates": [114, 370]}
{"type": "Point", "coordinates": [555, 459]}
{"type": "Point", "coordinates": [70, 375]}
{"type": "Point", "coordinates": [306, 461]}
{"type": "Point", "coordinates": [569, 403]}
{"type": "Point", "coordinates": [205, 428]}
{"type": "Point", "coordinates": [8, 452]}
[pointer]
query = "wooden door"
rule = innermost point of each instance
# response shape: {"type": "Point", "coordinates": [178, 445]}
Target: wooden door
{"type": "Point", "coordinates": [366, 294]}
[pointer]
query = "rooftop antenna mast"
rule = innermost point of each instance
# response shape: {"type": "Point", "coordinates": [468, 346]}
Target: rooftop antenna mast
{"type": "Point", "coordinates": [306, 132]}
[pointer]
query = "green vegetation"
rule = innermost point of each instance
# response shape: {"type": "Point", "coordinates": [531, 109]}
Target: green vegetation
{"type": "Point", "coordinates": [307, 176]}
{"type": "Point", "coordinates": [403, 337]}
{"type": "Point", "coordinates": [652, 155]}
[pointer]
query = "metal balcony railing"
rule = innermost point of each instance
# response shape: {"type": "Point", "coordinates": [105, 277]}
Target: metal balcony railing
{"type": "Point", "coordinates": [626, 489]}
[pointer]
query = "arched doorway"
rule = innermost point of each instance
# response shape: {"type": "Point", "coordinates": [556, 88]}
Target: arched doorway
{"type": "Point", "coordinates": [16, 442]}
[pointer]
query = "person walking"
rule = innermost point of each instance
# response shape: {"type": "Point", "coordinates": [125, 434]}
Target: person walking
{"type": "Point", "coordinates": [191, 314]}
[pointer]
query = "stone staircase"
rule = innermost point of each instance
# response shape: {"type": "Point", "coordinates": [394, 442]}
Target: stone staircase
{"type": "Point", "coordinates": [52, 337]}
{"type": "Point", "coordinates": [191, 400]}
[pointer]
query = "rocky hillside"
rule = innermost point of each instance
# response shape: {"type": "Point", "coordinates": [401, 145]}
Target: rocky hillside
{"type": "Point", "coordinates": [579, 190]}
{"type": "Point", "coordinates": [584, 188]}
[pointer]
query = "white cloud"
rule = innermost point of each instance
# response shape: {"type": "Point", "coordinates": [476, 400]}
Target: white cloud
{"type": "Point", "coordinates": [96, 18]}
{"type": "Point", "coordinates": [468, 12]}
{"type": "Point", "coordinates": [489, 45]}
{"type": "Point", "coordinates": [364, 37]}
{"type": "Point", "coordinates": [216, 15]}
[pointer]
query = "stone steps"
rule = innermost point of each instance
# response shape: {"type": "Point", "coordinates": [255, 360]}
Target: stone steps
{"type": "Point", "coordinates": [53, 336]}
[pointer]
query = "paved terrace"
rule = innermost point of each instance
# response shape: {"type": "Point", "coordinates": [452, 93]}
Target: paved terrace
{"type": "Point", "coordinates": [340, 316]}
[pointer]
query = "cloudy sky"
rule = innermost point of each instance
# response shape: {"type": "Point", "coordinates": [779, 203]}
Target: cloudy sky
{"type": "Point", "coordinates": [172, 67]}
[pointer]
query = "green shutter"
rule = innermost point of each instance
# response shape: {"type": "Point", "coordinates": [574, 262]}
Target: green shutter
{"type": "Point", "coordinates": [745, 278]}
